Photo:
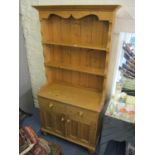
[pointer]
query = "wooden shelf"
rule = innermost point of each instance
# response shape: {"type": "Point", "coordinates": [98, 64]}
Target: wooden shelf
{"type": "Point", "coordinates": [88, 70]}
{"type": "Point", "coordinates": [77, 46]}
{"type": "Point", "coordinates": [75, 96]}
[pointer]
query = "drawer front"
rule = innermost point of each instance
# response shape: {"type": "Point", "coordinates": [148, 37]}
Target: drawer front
{"type": "Point", "coordinates": [75, 112]}
{"type": "Point", "coordinates": [82, 115]}
{"type": "Point", "coordinates": [51, 105]}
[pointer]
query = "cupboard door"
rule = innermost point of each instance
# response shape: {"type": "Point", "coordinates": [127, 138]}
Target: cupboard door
{"type": "Point", "coordinates": [47, 118]}
{"type": "Point", "coordinates": [82, 125]}
{"type": "Point", "coordinates": [82, 132]}
{"type": "Point", "coordinates": [72, 129]}
{"type": "Point", "coordinates": [53, 121]}
{"type": "Point", "coordinates": [87, 133]}
{"type": "Point", "coordinates": [59, 124]}
{"type": "Point", "coordinates": [78, 131]}
{"type": "Point", "coordinates": [52, 116]}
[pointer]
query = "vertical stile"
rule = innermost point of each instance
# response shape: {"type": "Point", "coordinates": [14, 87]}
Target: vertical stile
{"type": "Point", "coordinates": [107, 60]}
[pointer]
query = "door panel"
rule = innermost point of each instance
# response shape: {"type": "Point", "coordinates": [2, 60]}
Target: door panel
{"type": "Point", "coordinates": [72, 129]}
{"type": "Point", "coordinates": [81, 132]}
{"type": "Point", "coordinates": [52, 117]}
{"type": "Point", "coordinates": [59, 123]}
{"type": "Point", "coordinates": [84, 132]}
{"type": "Point", "coordinates": [47, 119]}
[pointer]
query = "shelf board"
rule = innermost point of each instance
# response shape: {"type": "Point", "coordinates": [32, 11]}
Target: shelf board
{"type": "Point", "coordinates": [77, 46]}
{"type": "Point", "coordinates": [75, 96]}
{"type": "Point", "coordinates": [88, 70]}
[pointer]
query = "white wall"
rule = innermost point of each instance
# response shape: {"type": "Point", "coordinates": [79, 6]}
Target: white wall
{"type": "Point", "coordinates": [31, 27]}
{"type": "Point", "coordinates": [26, 102]}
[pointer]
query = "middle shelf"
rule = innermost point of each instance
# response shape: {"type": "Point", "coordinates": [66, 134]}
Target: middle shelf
{"type": "Point", "coordinates": [75, 46]}
{"type": "Point", "coordinates": [84, 69]}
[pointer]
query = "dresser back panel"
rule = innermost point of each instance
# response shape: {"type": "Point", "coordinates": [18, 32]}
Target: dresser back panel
{"type": "Point", "coordinates": [86, 31]}
{"type": "Point", "coordinates": [74, 78]}
{"type": "Point", "coordinates": [75, 57]}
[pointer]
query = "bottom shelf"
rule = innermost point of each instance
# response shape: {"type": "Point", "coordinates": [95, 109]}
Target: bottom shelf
{"type": "Point", "coordinates": [80, 97]}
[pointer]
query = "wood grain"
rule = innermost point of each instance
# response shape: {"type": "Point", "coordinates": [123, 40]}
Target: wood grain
{"type": "Point", "coordinates": [77, 43]}
{"type": "Point", "coordinates": [80, 97]}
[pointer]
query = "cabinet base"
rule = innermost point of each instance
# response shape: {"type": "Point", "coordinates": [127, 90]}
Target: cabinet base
{"type": "Point", "coordinates": [91, 149]}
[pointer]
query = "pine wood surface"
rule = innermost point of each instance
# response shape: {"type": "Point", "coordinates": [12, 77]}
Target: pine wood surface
{"type": "Point", "coordinates": [79, 97]}
{"type": "Point", "coordinates": [76, 46]}
{"type": "Point", "coordinates": [91, 148]}
{"type": "Point", "coordinates": [76, 124]}
{"type": "Point", "coordinates": [94, 71]}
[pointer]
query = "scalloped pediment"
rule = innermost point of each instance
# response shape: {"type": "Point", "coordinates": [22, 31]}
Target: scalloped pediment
{"type": "Point", "coordinates": [106, 16]}
{"type": "Point", "coordinates": [103, 12]}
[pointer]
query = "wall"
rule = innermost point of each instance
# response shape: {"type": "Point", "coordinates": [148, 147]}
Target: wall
{"type": "Point", "coordinates": [25, 91]}
{"type": "Point", "coordinates": [31, 25]}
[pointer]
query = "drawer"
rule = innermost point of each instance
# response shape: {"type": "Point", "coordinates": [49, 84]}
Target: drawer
{"type": "Point", "coordinates": [82, 115]}
{"type": "Point", "coordinates": [72, 112]}
{"type": "Point", "coordinates": [51, 105]}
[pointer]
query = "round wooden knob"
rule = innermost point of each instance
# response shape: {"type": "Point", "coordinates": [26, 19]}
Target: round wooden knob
{"type": "Point", "coordinates": [50, 105]}
{"type": "Point", "coordinates": [62, 119]}
{"type": "Point", "coordinates": [80, 113]}
{"type": "Point", "coordinates": [68, 121]}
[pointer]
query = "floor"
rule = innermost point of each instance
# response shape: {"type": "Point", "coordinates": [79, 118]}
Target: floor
{"type": "Point", "coordinates": [68, 148]}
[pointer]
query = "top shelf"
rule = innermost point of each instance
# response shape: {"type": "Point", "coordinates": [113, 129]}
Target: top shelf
{"type": "Point", "coordinates": [75, 45]}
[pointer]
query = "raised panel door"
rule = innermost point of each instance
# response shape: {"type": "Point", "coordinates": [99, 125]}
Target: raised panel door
{"type": "Point", "coordinates": [82, 132]}
{"type": "Point", "coordinates": [47, 118]}
{"type": "Point", "coordinates": [59, 127]}
{"type": "Point", "coordinates": [73, 129]}
{"type": "Point", "coordinates": [52, 116]}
